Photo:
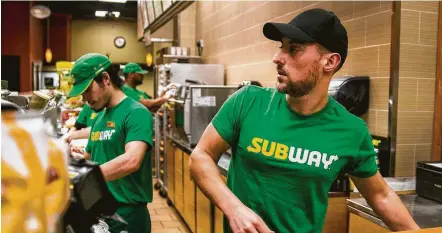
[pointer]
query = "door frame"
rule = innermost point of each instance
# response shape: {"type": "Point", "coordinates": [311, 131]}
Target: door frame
{"type": "Point", "coordinates": [437, 127]}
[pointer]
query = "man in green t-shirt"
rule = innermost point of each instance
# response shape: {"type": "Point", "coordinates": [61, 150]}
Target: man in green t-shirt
{"type": "Point", "coordinates": [120, 140]}
{"type": "Point", "coordinates": [133, 75]}
{"type": "Point", "coordinates": [289, 144]}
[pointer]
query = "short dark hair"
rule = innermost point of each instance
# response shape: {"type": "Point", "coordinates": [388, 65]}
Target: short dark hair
{"type": "Point", "coordinates": [113, 74]}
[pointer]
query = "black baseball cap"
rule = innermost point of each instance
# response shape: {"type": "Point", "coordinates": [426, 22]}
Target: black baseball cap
{"type": "Point", "coordinates": [315, 25]}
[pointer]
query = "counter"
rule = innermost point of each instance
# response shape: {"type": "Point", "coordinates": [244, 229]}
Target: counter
{"type": "Point", "coordinates": [426, 213]}
{"type": "Point", "coordinates": [400, 185]}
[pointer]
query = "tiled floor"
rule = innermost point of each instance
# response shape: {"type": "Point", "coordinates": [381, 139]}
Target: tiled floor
{"type": "Point", "coordinates": [164, 218]}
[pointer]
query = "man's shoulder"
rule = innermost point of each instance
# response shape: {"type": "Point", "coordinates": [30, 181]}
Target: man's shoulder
{"type": "Point", "coordinates": [351, 120]}
{"type": "Point", "coordinates": [252, 91]}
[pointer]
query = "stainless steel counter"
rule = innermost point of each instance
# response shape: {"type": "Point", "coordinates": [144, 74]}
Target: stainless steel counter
{"type": "Point", "coordinates": [426, 213]}
{"type": "Point", "coordinates": [399, 184]}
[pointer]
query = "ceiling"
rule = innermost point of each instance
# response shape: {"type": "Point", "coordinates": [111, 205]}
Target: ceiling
{"type": "Point", "coordinates": [86, 9]}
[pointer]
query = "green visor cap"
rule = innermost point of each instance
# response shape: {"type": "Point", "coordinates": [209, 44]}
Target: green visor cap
{"type": "Point", "coordinates": [133, 68]}
{"type": "Point", "coordinates": [85, 69]}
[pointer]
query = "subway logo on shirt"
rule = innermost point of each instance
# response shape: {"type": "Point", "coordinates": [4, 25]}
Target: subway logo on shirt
{"type": "Point", "coordinates": [102, 135]}
{"type": "Point", "coordinates": [283, 152]}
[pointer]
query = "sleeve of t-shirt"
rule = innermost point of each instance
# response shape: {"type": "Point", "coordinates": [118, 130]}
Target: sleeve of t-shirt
{"type": "Point", "coordinates": [365, 164]}
{"type": "Point", "coordinates": [139, 126]}
{"type": "Point", "coordinates": [228, 119]}
{"type": "Point", "coordinates": [83, 115]}
{"type": "Point", "coordinates": [130, 93]}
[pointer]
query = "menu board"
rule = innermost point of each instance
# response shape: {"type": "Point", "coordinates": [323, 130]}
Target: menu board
{"type": "Point", "coordinates": [166, 4]}
{"type": "Point", "coordinates": [150, 11]}
{"type": "Point", "coordinates": [158, 8]}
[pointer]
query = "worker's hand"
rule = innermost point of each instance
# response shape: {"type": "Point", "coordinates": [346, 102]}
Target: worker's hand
{"type": "Point", "coordinates": [244, 220]}
{"type": "Point", "coordinates": [162, 100]}
{"type": "Point", "coordinates": [67, 138]}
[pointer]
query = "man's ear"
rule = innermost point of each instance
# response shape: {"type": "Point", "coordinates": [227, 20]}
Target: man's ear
{"type": "Point", "coordinates": [106, 78]}
{"type": "Point", "coordinates": [332, 62]}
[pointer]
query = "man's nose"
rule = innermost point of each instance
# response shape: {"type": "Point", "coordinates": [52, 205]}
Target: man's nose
{"type": "Point", "coordinates": [85, 96]}
{"type": "Point", "coordinates": [278, 59]}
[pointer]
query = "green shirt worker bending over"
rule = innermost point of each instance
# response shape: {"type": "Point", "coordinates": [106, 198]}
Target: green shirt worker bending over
{"type": "Point", "coordinates": [281, 172]}
{"type": "Point", "coordinates": [120, 140]}
{"type": "Point", "coordinates": [133, 75]}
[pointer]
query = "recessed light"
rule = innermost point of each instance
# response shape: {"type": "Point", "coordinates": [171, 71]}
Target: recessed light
{"type": "Point", "coordinates": [116, 14]}
{"type": "Point", "coordinates": [100, 13]}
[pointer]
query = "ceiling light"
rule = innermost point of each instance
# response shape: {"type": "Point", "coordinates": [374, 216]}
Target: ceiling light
{"type": "Point", "coordinates": [100, 13]}
{"type": "Point", "coordinates": [116, 13]}
{"type": "Point", "coordinates": [40, 11]}
{"type": "Point", "coordinates": [117, 1]}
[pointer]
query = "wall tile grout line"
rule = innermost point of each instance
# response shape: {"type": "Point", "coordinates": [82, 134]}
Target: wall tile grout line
{"type": "Point", "coordinates": [429, 12]}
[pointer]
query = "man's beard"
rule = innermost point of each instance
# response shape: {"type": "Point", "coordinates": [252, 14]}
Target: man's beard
{"type": "Point", "coordinates": [138, 82]}
{"type": "Point", "coordinates": [100, 108]}
{"type": "Point", "coordinates": [301, 87]}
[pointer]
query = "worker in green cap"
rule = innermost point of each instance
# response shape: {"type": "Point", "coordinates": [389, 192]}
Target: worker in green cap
{"type": "Point", "coordinates": [133, 75]}
{"type": "Point", "coordinates": [120, 140]}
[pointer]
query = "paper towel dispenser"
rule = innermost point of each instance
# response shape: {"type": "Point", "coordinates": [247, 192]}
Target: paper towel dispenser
{"type": "Point", "coordinates": [352, 92]}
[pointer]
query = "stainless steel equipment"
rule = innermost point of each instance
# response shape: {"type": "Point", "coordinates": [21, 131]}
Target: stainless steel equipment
{"type": "Point", "coordinates": [429, 180]}
{"type": "Point", "coordinates": [180, 74]}
{"type": "Point", "coordinates": [195, 107]}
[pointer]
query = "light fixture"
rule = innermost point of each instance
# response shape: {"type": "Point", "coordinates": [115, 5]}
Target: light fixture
{"type": "Point", "coordinates": [116, 14]}
{"type": "Point", "coordinates": [48, 55]}
{"type": "Point", "coordinates": [116, 1]}
{"type": "Point", "coordinates": [100, 13]}
{"type": "Point", "coordinates": [40, 11]}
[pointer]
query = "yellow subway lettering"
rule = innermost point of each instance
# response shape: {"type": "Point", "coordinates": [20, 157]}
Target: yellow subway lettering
{"type": "Point", "coordinates": [265, 150]}
{"type": "Point", "coordinates": [256, 145]}
{"type": "Point", "coordinates": [281, 151]}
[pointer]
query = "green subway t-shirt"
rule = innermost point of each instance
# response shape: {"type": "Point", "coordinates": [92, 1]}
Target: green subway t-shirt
{"type": "Point", "coordinates": [87, 116]}
{"type": "Point", "coordinates": [134, 93]}
{"type": "Point", "coordinates": [111, 131]}
{"type": "Point", "coordinates": [284, 163]}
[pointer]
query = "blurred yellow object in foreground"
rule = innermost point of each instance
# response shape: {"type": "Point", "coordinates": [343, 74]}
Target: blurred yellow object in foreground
{"type": "Point", "coordinates": [35, 183]}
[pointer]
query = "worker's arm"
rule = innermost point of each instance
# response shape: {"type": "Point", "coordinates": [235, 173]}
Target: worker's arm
{"type": "Point", "coordinates": [153, 103]}
{"type": "Point", "coordinates": [219, 135]}
{"type": "Point", "coordinates": [139, 132]}
{"type": "Point", "coordinates": [205, 173]}
{"type": "Point", "coordinates": [126, 163]}
{"type": "Point", "coordinates": [385, 202]}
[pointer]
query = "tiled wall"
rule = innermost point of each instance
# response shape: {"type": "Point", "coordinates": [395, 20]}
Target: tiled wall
{"type": "Point", "coordinates": [187, 26]}
{"type": "Point", "coordinates": [417, 73]}
{"type": "Point", "coordinates": [232, 33]}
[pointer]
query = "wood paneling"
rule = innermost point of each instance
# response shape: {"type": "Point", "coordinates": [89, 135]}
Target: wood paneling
{"type": "Point", "coordinates": [362, 225]}
{"type": "Point", "coordinates": [170, 155]}
{"type": "Point", "coordinates": [204, 220]}
{"type": "Point", "coordinates": [336, 219]}
{"type": "Point", "coordinates": [189, 194]}
{"type": "Point", "coordinates": [179, 198]}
